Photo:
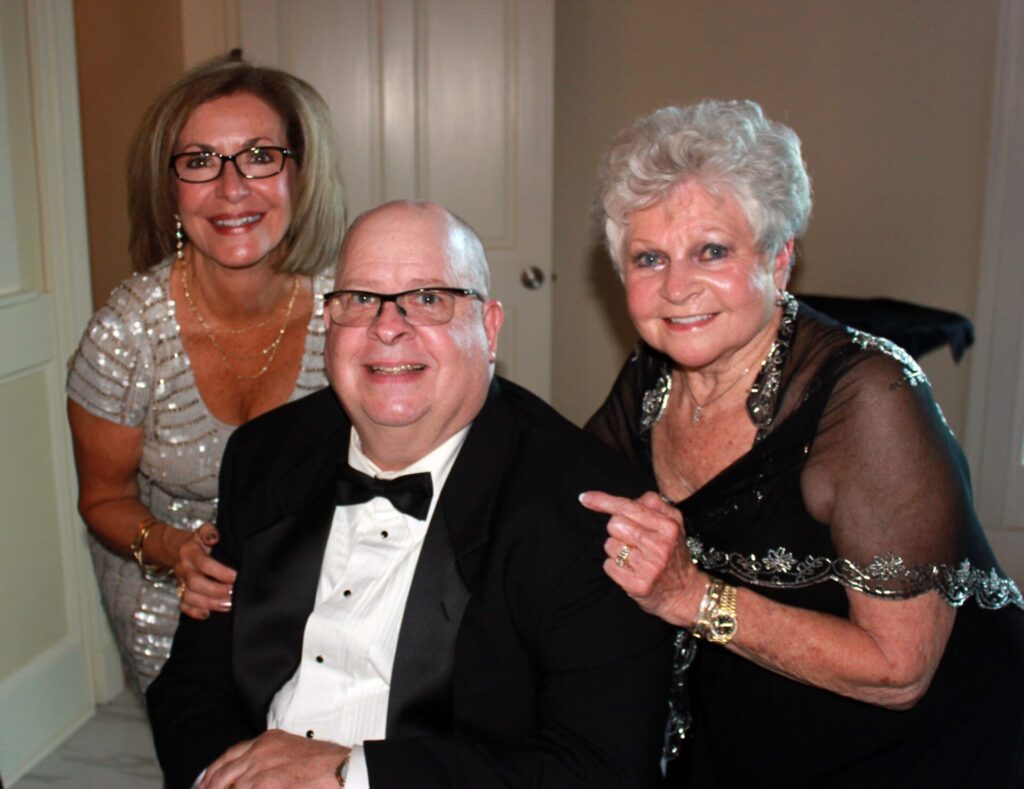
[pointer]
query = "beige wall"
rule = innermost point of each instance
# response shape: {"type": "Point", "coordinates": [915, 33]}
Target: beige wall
{"type": "Point", "coordinates": [891, 99]}
{"type": "Point", "coordinates": [127, 52]}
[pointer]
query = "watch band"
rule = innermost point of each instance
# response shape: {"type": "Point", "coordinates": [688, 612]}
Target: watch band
{"type": "Point", "coordinates": [716, 618]}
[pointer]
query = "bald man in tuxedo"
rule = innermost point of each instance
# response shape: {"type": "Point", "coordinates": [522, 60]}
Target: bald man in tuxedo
{"type": "Point", "coordinates": [420, 597]}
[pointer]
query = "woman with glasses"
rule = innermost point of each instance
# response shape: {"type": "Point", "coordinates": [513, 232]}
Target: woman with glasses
{"type": "Point", "coordinates": [237, 217]}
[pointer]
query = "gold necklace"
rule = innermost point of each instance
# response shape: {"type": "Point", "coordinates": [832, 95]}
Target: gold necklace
{"type": "Point", "coordinates": [269, 351]}
{"type": "Point", "coordinates": [699, 410]}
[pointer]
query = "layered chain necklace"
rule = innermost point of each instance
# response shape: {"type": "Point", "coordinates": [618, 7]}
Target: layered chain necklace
{"type": "Point", "coordinates": [699, 407]}
{"type": "Point", "coordinates": [269, 352]}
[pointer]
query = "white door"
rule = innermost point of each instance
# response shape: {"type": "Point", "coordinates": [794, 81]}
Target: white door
{"type": "Point", "coordinates": [45, 645]}
{"type": "Point", "coordinates": [445, 100]}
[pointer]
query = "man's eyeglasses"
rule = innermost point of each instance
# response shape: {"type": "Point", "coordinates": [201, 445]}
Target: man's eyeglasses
{"type": "Point", "coordinates": [198, 167]}
{"type": "Point", "coordinates": [420, 307]}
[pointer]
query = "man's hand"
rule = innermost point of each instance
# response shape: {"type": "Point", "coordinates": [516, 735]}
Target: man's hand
{"type": "Point", "coordinates": [276, 760]}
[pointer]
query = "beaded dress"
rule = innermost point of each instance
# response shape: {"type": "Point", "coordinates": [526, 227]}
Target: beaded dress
{"type": "Point", "coordinates": [131, 368]}
{"type": "Point", "coordinates": [854, 481]}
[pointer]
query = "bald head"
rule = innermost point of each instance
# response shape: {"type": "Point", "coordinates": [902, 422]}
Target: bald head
{"type": "Point", "coordinates": [463, 249]}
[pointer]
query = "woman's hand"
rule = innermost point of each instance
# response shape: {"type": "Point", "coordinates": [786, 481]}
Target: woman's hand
{"type": "Point", "coordinates": [107, 456]}
{"type": "Point", "coordinates": [204, 584]}
{"type": "Point", "coordinates": [657, 570]}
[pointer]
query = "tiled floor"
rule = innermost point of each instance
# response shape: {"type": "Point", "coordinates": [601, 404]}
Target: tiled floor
{"type": "Point", "coordinates": [111, 751]}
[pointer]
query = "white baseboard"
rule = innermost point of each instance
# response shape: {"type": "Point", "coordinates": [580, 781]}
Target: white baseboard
{"type": "Point", "coordinates": [50, 694]}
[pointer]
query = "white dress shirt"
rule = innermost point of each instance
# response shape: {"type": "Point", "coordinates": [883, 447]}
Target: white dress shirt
{"type": "Point", "coordinates": [340, 690]}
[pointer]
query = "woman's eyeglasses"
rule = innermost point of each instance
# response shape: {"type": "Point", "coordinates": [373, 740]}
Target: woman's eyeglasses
{"type": "Point", "coordinates": [198, 167]}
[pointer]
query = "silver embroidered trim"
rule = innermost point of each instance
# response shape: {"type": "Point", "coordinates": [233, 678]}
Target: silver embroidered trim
{"type": "Point", "coordinates": [761, 400]}
{"type": "Point", "coordinates": [886, 575]}
{"type": "Point", "coordinates": [679, 721]}
{"type": "Point", "coordinates": [655, 400]}
{"type": "Point", "coordinates": [912, 372]}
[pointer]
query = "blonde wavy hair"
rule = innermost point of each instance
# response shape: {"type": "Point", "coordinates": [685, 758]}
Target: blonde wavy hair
{"type": "Point", "coordinates": [313, 239]}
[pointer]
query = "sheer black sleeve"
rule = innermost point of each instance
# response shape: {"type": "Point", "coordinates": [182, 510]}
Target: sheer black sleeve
{"type": "Point", "coordinates": [888, 477]}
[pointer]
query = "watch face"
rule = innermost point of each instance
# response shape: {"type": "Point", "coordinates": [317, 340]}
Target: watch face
{"type": "Point", "coordinates": [723, 626]}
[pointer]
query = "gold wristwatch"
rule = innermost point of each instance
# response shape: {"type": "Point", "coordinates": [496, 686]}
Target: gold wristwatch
{"type": "Point", "coordinates": [716, 617]}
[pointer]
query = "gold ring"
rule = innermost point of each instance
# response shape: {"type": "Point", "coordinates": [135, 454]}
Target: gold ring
{"type": "Point", "coordinates": [181, 589]}
{"type": "Point", "coordinates": [622, 560]}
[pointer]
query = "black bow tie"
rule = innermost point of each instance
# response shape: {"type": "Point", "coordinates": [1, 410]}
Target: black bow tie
{"type": "Point", "coordinates": [410, 494]}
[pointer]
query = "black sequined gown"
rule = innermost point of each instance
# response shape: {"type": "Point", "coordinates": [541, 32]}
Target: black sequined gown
{"type": "Point", "coordinates": [848, 425]}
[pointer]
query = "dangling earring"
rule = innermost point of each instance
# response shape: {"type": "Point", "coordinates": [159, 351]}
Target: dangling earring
{"type": "Point", "coordinates": [179, 239]}
{"type": "Point", "coordinates": [780, 297]}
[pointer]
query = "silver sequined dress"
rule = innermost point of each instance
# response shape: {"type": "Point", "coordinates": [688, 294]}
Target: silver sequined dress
{"type": "Point", "coordinates": [131, 368]}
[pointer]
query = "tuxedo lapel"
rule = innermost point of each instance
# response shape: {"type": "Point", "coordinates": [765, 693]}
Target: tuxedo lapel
{"type": "Point", "coordinates": [469, 498]}
{"type": "Point", "coordinates": [419, 703]}
{"type": "Point", "coordinates": [284, 549]}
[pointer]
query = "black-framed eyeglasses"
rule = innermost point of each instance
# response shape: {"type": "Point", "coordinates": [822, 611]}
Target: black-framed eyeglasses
{"type": "Point", "coordinates": [420, 306]}
{"type": "Point", "coordinates": [261, 161]}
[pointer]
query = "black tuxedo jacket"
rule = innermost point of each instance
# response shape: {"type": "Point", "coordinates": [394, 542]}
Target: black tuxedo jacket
{"type": "Point", "coordinates": [519, 663]}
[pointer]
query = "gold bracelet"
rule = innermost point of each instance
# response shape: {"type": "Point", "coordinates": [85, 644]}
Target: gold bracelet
{"type": "Point", "coordinates": [340, 772]}
{"type": "Point", "coordinates": [152, 572]}
{"type": "Point", "coordinates": [716, 617]}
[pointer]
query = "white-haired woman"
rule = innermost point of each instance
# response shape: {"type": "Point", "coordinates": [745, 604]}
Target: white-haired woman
{"type": "Point", "coordinates": [852, 625]}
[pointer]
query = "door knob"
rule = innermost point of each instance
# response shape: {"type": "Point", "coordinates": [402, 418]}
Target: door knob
{"type": "Point", "coordinates": [532, 278]}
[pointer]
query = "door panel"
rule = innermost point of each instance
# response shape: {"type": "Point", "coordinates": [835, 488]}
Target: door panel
{"type": "Point", "coordinates": [28, 490]}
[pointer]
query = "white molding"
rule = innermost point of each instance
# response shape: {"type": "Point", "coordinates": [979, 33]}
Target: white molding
{"type": "Point", "coordinates": [995, 420]}
{"type": "Point", "coordinates": [64, 247]}
{"type": "Point", "coordinates": [61, 172]}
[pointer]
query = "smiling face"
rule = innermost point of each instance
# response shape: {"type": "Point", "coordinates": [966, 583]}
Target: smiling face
{"type": "Point", "coordinates": [234, 221]}
{"type": "Point", "coordinates": [409, 388]}
{"type": "Point", "coordinates": [698, 287]}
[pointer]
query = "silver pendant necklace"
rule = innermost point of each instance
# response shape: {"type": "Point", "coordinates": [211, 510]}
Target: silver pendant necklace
{"type": "Point", "coordinates": [698, 411]}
